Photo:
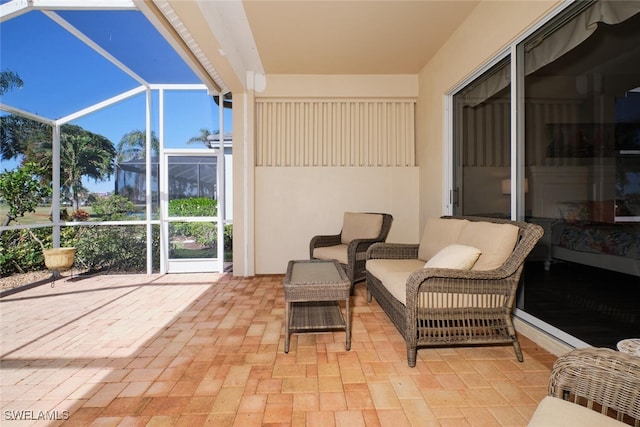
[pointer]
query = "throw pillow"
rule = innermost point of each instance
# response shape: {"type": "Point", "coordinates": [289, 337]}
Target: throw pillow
{"type": "Point", "coordinates": [458, 257]}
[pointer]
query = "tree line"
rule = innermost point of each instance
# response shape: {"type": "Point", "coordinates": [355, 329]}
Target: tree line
{"type": "Point", "coordinates": [83, 154]}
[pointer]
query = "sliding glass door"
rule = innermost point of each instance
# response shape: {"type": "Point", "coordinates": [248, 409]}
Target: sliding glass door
{"type": "Point", "coordinates": [564, 154]}
{"type": "Point", "coordinates": [582, 139]}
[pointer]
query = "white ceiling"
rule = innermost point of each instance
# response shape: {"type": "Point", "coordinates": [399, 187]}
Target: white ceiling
{"type": "Point", "coordinates": [351, 37]}
{"type": "Point", "coordinates": [313, 36]}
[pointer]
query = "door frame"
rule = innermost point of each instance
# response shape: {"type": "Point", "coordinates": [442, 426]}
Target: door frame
{"type": "Point", "coordinates": [191, 265]}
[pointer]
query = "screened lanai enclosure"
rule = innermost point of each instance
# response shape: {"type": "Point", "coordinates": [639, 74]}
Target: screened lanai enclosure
{"type": "Point", "coordinates": [120, 130]}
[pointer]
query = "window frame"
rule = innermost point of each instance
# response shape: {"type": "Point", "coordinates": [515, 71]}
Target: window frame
{"type": "Point", "coordinates": [516, 61]}
{"type": "Point", "coordinates": [514, 52]}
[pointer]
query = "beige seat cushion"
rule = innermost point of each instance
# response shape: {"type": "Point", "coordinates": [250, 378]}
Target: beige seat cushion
{"type": "Point", "coordinates": [554, 412]}
{"type": "Point", "coordinates": [393, 273]}
{"type": "Point", "coordinates": [360, 226]}
{"type": "Point", "coordinates": [437, 234]}
{"type": "Point", "coordinates": [495, 241]}
{"type": "Point", "coordinates": [459, 257]}
{"type": "Point", "coordinates": [337, 252]}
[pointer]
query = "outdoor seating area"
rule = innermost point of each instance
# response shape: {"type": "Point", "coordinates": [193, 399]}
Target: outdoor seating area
{"type": "Point", "coordinates": [358, 213]}
{"type": "Point", "coordinates": [458, 286]}
{"type": "Point", "coordinates": [198, 349]}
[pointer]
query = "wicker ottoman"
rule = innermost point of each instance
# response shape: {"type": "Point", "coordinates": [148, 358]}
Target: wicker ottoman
{"type": "Point", "coordinates": [312, 289]}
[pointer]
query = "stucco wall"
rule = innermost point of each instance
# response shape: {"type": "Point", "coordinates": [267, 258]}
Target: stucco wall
{"type": "Point", "coordinates": [243, 185]}
{"type": "Point", "coordinates": [487, 31]}
{"type": "Point", "coordinates": [325, 86]}
{"type": "Point", "coordinates": [292, 204]}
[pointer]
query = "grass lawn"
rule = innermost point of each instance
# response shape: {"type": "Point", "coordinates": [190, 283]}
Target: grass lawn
{"type": "Point", "coordinates": [40, 216]}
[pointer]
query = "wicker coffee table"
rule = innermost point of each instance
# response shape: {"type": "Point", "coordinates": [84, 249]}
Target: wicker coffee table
{"type": "Point", "coordinates": [312, 289]}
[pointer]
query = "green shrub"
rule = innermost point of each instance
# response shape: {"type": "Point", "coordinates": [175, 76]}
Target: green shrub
{"type": "Point", "coordinates": [228, 237]}
{"type": "Point", "coordinates": [98, 248]}
{"type": "Point", "coordinates": [204, 233]}
{"type": "Point", "coordinates": [121, 248]}
{"type": "Point", "coordinates": [20, 253]}
{"type": "Point", "coordinates": [193, 206]}
{"type": "Point", "coordinates": [22, 189]}
{"type": "Point", "coordinates": [113, 208]}
{"type": "Point", "coordinates": [111, 248]}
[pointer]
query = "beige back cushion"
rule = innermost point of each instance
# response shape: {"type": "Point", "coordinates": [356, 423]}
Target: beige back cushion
{"type": "Point", "coordinates": [495, 241]}
{"type": "Point", "coordinates": [437, 234]}
{"type": "Point", "coordinates": [360, 226]}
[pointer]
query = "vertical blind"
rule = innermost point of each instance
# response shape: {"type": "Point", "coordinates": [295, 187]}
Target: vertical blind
{"type": "Point", "coordinates": [335, 132]}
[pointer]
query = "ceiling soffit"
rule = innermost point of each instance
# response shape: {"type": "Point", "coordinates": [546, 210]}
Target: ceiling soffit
{"type": "Point", "coordinates": [244, 40]}
{"type": "Point", "coordinates": [218, 35]}
{"type": "Point", "coordinates": [351, 37]}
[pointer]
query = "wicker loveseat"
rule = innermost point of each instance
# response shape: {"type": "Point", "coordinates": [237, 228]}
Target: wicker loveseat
{"type": "Point", "coordinates": [349, 247]}
{"type": "Point", "coordinates": [459, 304]}
{"type": "Point", "coordinates": [591, 387]}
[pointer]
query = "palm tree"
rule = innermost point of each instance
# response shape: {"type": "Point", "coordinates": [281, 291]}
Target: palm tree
{"type": "Point", "coordinates": [9, 80]}
{"type": "Point", "coordinates": [20, 136]}
{"type": "Point", "coordinates": [132, 146]}
{"type": "Point", "coordinates": [82, 153]}
{"type": "Point", "coordinates": [81, 157]}
{"type": "Point", "coordinates": [132, 150]}
{"type": "Point", "coordinates": [203, 138]}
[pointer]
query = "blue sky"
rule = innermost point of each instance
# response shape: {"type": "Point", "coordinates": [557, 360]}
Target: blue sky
{"type": "Point", "coordinates": [62, 75]}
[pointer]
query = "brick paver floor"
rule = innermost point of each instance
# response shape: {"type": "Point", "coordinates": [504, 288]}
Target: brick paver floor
{"type": "Point", "coordinates": [208, 349]}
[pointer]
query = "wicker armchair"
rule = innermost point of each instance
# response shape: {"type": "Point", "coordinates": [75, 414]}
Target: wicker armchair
{"type": "Point", "coordinates": [446, 307]}
{"type": "Point", "coordinates": [600, 379]}
{"type": "Point", "coordinates": [351, 254]}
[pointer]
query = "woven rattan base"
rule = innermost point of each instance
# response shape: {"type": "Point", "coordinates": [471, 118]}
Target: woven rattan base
{"type": "Point", "coordinates": [315, 316]}
{"type": "Point", "coordinates": [312, 291]}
